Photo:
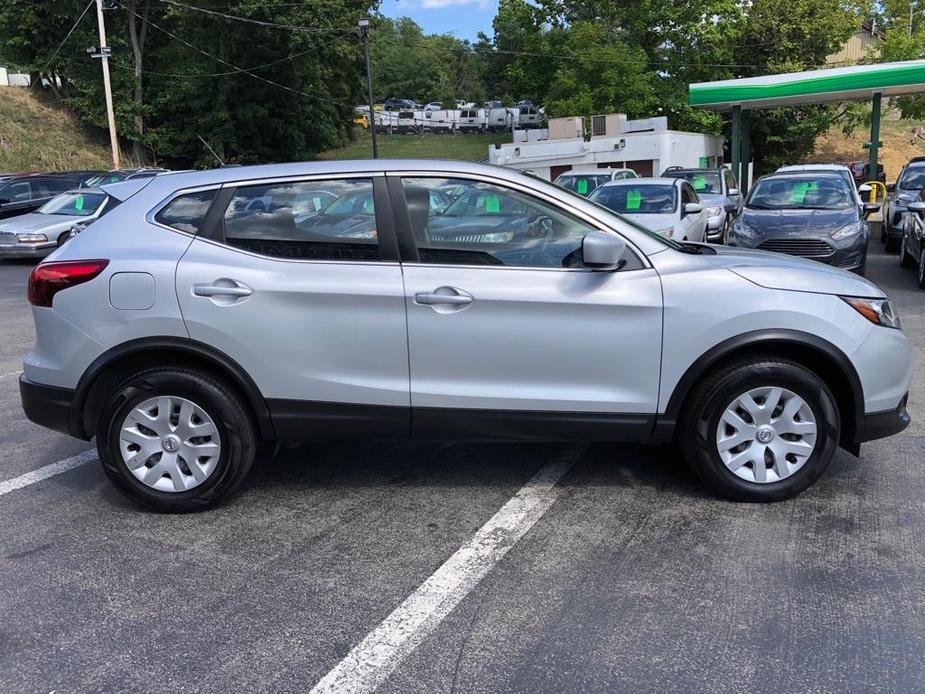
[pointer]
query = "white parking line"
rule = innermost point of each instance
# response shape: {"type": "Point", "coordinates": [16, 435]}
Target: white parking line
{"type": "Point", "coordinates": [43, 473]}
{"type": "Point", "coordinates": [369, 664]}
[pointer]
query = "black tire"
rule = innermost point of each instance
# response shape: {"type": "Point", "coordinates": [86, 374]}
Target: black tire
{"type": "Point", "coordinates": [905, 260]}
{"type": "Point", "coordinates": [713, 394]}
{"type": "Point", "coordinates": [231, 416]}
{"type": "Point", "coordinates": [920, 270]}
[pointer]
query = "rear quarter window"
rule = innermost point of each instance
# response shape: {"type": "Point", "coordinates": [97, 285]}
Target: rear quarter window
{"type": "Point", "coordinates": [186, 212]}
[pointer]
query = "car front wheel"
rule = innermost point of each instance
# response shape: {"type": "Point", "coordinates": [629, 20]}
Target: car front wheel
{"type": "Point", "coordinates": [905, 260]}
{"type": "Point", "coordinates": [176, 439]}
{"type": "Point", "coordinates": [761, 429]}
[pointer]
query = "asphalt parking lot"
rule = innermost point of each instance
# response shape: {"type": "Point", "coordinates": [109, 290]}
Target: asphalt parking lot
{"type": "Point", "coordinates": [620, 573]}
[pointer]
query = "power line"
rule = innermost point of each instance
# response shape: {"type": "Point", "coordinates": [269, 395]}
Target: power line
{"type": "Point", "coordinates": [236, 71]}
{"type": "Point", "coordinates": [249, 20]}
{"type": "Point", "coordinates": [235, 67]}
{"type": "Point", "coordinates": [64, 40]}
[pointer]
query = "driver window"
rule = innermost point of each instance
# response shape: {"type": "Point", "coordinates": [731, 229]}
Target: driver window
{"type": "Point", "coordinates": [477, 223]}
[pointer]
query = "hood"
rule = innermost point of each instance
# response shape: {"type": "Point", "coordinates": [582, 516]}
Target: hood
{"type": "Point", "coordinates": [655, 222]}
{"type": "Point", "coordinates": [35, 223]}
{"type": "Point", "coordinates": [712, 199]}
{"type": "Point", "coordinates": [906, 196]}
{"type": "Point", "coordinates": [779, 271]}
{"type": "Point", "coordinates": [798, 223]}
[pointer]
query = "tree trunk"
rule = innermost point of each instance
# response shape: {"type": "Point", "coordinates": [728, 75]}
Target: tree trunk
{"type": "Point", "coordinates": [138, 32]}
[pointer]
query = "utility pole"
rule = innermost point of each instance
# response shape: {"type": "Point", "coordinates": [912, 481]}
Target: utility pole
{"type": "Point", "coordinates": [103, 54]}
{"type": "Point", "coordinates": [363, 31]}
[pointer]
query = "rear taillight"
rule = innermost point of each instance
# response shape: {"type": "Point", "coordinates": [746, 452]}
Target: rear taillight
{"type": "Point", "coordinates": [48, 279]}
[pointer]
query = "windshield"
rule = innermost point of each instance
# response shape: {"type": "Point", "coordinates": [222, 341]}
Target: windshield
{"type": "Point", "coordinates": [352, 203]}
{"type": "Point", "coordinates": [651, 198]}
{"type": "Point", "coordinates": [912, 179]}
{"type": "Point", "coordinates": [476, 202]}
{"type": "Point", "coordinates": [74, 204]}
{"type": "Point", "coordinates": [626, 220]}
{"type": "Point", "coordinates": [704, 182]}
{"type": "Point", "coordinates": [582, 184]}
{"type": "Point", "coordinates": [800, 193]}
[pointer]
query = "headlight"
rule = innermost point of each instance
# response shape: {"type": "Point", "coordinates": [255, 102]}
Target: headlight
{"type": "Point", "coordinates": [497, 237]}
{"type": "Point", "coordinates": [877, 311]}
{"type": "Point", "coordinates": [714, 211]}
{"type": "Point", "coordinates": [32, 238]}
{"type": "Point", "coordinates": [847, 230]}
{"type": "Point", "coordinates": [740, 228]}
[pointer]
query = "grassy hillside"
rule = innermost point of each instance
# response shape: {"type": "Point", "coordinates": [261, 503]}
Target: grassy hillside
{"type": "Point", "coordinates": [459, 147]}
{"type": "Point", "coordinates": [834, 147]}
{"type": "Point", "coordinates": [39, 136]}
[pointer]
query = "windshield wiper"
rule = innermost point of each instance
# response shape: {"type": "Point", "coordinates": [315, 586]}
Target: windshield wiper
{"type": "Point", "coordinates": [695, 248]}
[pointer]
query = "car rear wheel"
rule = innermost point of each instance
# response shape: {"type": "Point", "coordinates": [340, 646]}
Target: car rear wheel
{"type": "Point", "coordinates": [920, 272]}
{"type": "Point", "coordinates": [175, 439]}
{"type": "Point", "coordinates": [761, 429]}
{"type": "Point", "coordinates": [905, 260]}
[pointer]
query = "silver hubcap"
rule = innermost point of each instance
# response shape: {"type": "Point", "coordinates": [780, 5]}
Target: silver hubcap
{"type": "Point", "coordinates": [169, 443]}
{"type": "Point", "coordinates": [766, 434]}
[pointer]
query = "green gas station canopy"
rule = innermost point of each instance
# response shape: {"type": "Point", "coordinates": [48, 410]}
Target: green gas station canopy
{"type": "Point", "coordinates": [811, 87]}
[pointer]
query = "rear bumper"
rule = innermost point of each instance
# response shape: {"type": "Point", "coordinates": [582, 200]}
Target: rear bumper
{"type": "Point", "coordinates": [878, 425]}
{"type": "Point", "coordinates": [50, 407]}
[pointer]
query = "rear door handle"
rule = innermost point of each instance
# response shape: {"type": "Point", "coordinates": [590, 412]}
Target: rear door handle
{"type": "Point", "coordinates": [449, 297]}
{"type": "Point", "coordinates": [222, 287]}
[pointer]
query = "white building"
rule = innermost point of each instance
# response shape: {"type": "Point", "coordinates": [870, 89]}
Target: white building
{"type": "Point", "coordinates": [646, 146]}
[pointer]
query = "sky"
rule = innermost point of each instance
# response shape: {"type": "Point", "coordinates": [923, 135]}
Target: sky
{"type": "Point", "coordinates": [462, 18]}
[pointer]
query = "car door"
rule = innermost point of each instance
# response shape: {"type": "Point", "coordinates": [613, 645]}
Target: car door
{"type": "Point", "coordinates": [690, 221]}
{"type": "Point", "coordinates": [311, 308]}
{"type": "Point", "coordinates": [733, 194]}
{"type": "Point", "coordinates": [508, 333]}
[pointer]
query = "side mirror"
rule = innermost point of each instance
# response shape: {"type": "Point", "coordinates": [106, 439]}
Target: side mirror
{"type": "Point", "coordinates": [890, 187]}
{"type": "Point", "coordinates": [692, 207]}
{"type": "Point", "coordinates": [870, 207]}
{"type": "Point", "coordinates": [602, 251]}
{"type": "Point", "coordinates": [734, 191]}
{"type": "Point", "coordinates": [865, 188]}
{"type": "Point", "coordinates": [918, 207]}
{"type": "Point", "coordinates": [731, 207]}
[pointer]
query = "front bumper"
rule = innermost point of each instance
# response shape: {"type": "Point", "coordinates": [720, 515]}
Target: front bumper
{"type": "Point", "coordinates": [848, 254]}
{"type": "Point", "coordinates": [878, 425]}
{"type": "Point", "coordinates": [26, 250]}
{"type": "Point", "coordinates": [50, 407]}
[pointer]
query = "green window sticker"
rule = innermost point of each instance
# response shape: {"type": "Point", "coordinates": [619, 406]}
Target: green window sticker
{"type": "Point", "coordinates": [799, 191]}
{"type": "Point", "coordinates": [582, 186]}
{"type": "Point", "coordinates": [633, 200]}
{"type": "Point", "coordinates": [368, 206]}
{"type": "Point", "coordinates": [700, 183]}
{"type": "Point", "coordinates": [492, 204]}
{"type": "Point", "coordinates": [79, 202]}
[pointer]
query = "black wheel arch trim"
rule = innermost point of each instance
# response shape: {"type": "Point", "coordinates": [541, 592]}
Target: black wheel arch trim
{"type": "Point", "coordinates": [192, 347]}
{"type": "Point", "coordinates": [666, 422]}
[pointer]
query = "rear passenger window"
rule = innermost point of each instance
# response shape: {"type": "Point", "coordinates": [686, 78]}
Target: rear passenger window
{"type": "Point", "coordinates": [309, 220]}
{"type": "Point", "coordinates": [186, 212]}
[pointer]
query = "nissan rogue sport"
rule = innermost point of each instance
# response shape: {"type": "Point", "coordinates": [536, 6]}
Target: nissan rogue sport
{"type": "Point", "coordinates": [214, 312]}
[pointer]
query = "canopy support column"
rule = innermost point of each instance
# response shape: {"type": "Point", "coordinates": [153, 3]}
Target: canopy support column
{"type": "Point", "coordinates": [736, 143]}
{"type": "Point", "coordinates": [745, 149]}
{"type": "Point", "coordinates": [874, 136]}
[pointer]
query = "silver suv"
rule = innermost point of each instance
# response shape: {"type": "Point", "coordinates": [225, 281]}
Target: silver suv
{"type": "Point", "coordinates": [215, 312]}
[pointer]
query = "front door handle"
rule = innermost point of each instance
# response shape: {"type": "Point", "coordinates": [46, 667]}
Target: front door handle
{"type": "Point", "coordinates": [448, 297]}
{"type": "Point", "coordinates": [222, 287]}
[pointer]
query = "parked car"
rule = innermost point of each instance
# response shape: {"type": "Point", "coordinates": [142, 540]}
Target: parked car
{"type": "Point", "coordinates": [434, 106]}
{"type": "Point", "coordinates": [36, 234]}
{"type": "Point", "coordinates": [906, 189]}
{"type": "Point", "coordinates": [26, 193]}
{"type": "Point", "coordinates": [911, 247]}
{"type": "Point", "coordinates": [183, 333]}
{"type": "Point", "coordinates": [860, 172]}
{"type": "Point", "coordinates": [668, 206]}
{"type": "Point", "coordinates": [718, 193]}
{"type": "Point", "coordinates": [586, 182]}
{"type": "Point", "coordinates": [398, 105]}
{"type": "Point", "coordinates": [471, 120]}
{"type": "Point", "coordinates": [809, 215]}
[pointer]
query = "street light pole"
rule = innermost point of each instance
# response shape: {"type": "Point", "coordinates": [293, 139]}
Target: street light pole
{"type": "Point", "coordinates": [363, 30]}
{"type": "Point", "coordinates": [107, 88]}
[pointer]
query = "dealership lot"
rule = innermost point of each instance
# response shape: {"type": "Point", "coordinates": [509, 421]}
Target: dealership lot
{"type": "Point", "coordinates": [633, 579]}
